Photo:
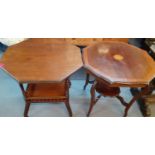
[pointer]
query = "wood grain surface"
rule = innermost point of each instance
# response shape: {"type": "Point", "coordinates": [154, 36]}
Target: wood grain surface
{"type": "Point", "coordinates": [36, 61]}
{"type": "Point", "coordinates": [119, 63]}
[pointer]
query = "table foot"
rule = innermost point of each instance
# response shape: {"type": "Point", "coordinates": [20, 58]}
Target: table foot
{"type": "Point", "coordinates": [27, 107]}
{"type": "Point", "coordinates": [68, 108]}
{"type": "Point", "coordinates": [92, 103]}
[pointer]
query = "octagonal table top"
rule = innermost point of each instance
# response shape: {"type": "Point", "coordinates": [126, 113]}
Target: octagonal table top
{"type": "Point", "coordinates": [119, 64]}
{"type": "Point", "coordinates": [42, 60]}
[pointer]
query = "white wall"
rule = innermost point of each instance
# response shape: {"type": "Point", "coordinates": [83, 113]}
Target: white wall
{"type": "Point", "coordinates": [11, 41]}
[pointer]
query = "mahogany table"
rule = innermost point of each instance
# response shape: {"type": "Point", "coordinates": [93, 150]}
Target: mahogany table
{"type": "Point", "coordinates": [82, 42]}
{"type": "Point", "coordinates": [115, 65]}
{"type": "Point", "coordinates": [88, 41]}
{"type": "Point", "coordinates": [45, 64]}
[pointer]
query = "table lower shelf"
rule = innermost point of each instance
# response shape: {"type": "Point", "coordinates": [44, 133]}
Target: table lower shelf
{"type": "Point", "coordinates": [46, 91]}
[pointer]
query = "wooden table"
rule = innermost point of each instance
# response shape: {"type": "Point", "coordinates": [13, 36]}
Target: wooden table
{"type": "Point", "coordinates": [82, 42]}
{"type": "Point", "coordinates": [88, 41]}
{"type": "Point", "coordinates": [44, 64]}
{"type": "Point", "coordinates": [115, 65]}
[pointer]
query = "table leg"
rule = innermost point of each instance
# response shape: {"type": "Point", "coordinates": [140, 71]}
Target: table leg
{"type": "Point", "coordinates": [87, 81]}
{"type": "Point", "coordinates": [143, 92]}
{"type": "Point", "coordinates": [92, 99]}
{"type": "Point", "coordinates": [27, 104]}
{"type": "Point", "coordinates": [141, 103]}
{"type": "Point", "coordinates": [97, 98]}
{"type": "Point", "coordinates": [67, 86]}
{"type": "Point", "coordinates": [27, 107]}
{"type": "Point", "coordinates": [22, 89]}
{"type": "Point", "coordinates": [121, 99]}
{"type": "Point", "coordinates": [68, 108]}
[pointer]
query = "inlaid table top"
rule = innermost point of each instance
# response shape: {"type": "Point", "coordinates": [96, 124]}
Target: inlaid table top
{"type": "Point", "coordinates": [119, 64]}
{"type": "Point", "coordinates": [36, 60]}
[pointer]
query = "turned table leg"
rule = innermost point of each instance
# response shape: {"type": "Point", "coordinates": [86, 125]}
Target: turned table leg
{"type": "Point", "coordinates": [141, 103]}
{"type": "Point", "coordinates": [92, 100]}
{"type": "Point", "coordinates": [144, 91]}
{"type": "Point", "coordinates": [67, 86]}
{"type": "Point", "coordinates": [87, 81]}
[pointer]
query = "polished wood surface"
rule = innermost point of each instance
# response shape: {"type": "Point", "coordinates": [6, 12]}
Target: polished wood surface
{"type": "Point", "coordinates": [119, 64]}
{"type": "Point", "coordinates": [37, 61]}
{"type": "Point", "coordinates": [89, 41]}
